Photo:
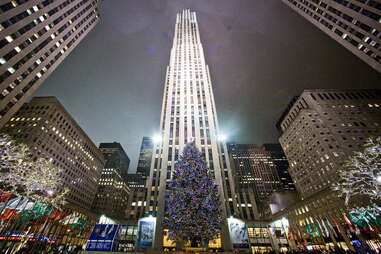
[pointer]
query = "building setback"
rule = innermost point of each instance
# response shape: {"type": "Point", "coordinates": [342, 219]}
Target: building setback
{"type": "Point", "coordinates": [256, 178]}
{"type": "Point", "coordinates": [354, 24]}
{"type": "Point", "coordinates": [50, 132]}
{"type": "Point", "coordinates": [36, 36]}
{"type": "Point", "coordinates": [188, 115]}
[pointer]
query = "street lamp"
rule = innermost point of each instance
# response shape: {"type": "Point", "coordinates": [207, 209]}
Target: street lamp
{"type": "Point", "coordinates": [156, 138]}
{"type": "Point", "coordinates": [221, 137]}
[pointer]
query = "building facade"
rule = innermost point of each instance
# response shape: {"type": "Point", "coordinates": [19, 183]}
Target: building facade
{"type": "Point", "coordinates": [50, 132]}
{"type": "Point", "coordinates": [137, 199]}
{"type": "Point", "coordinates": [145, 157]}
{"type": "Point", "coordinates": [320, 130]}
{"type": "Point", "coordinates": [256, 178]}
{"type": "Point", "coordinates": [112, 195]}
{"type": "Point", "coordinates": [35, 38]}
{"type": "Point", "coordinates": [188, 115]}
{"type": "Point", "coordinates": [113, 192]}
{"type": "Point", "coordinates": [281, 163]}
{"type": "Point", "coordinates": [354, 24]}
{"type": "Point", "coordinates": [116, 158]}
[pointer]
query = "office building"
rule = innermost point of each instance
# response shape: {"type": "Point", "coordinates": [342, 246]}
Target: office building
{"type": "Point", "coordinates": [188, 115]}
{"type": "Point", "coordinates": [320, 130]}
{"type": "Point", "coordinates": [36, 36]}
{"type": "Point", "coordinates": [112, 195]}
{"type": "Point", "coordinates": [281, 163]}
{"type": "Point", "coordinates": [145, 157]}
{"type": "Point", "coordinates": [137, 199]}
{"type": "Point", "coordinates": [116, 158]}
{"type": "Point", "coordinates": [256, 178]}
{"type": "Point", "coordinates": [354, 24]}
{"type": "Point", "coordinates": [50, 132]}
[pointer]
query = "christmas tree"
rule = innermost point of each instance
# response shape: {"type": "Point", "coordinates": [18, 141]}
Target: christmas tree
{"type": "Point", "coordinates": [193, 203]}
{"type": "Point", "coordinates": [361, 174]}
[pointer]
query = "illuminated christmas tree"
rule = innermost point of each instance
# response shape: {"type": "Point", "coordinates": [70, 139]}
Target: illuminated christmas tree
{"type": "Point", "coordinates": [193, 203]}
{"type": "Point", "coordinates": [362, 173]}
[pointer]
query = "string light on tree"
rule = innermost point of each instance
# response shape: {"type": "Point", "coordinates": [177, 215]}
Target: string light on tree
{"type": "Point", "coordinates": [361, 174]}
{"type": "Point", "coordinates": [192, 206]}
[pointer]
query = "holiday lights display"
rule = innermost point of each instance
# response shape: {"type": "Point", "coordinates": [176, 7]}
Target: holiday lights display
{"type": "Point", "coordinates": [361, 174]}
{"type": "Point", "coordinates": [193, 203]}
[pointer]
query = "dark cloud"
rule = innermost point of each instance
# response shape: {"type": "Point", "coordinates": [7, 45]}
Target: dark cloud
{"type": "Point", "coordinates": [260, 54]}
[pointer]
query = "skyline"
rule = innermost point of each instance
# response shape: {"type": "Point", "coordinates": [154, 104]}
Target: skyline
{"type": "Point", "coordinates": [147, 38]}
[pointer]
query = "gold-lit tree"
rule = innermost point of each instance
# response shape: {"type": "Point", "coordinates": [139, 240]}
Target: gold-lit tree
{"type": "Point", "coordinates": [35, 178]}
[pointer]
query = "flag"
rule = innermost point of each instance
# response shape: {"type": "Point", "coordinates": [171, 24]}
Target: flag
{"type": "Point", "coordinates": [56, 215]}
{"type": "Point", "coordinates": [5, 196]}
{"type": "Point", "coordinates": [40, 210]}
{"type": "Point", "coordinates": [70, 219]}
{"type": "Point", "coordinates": [7, 214]}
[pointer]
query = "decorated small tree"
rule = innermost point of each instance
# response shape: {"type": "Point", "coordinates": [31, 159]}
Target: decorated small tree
{"type": "Point", "coordinates": [24, 176]}
{"type": "Point", "coordinates": [193, 203]}
{"type": "Point", "coordinates": [361, 174]}
{"type": "Point", "coordinates": [14, 157]}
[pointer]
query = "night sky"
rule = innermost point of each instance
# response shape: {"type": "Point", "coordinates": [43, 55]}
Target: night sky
{"type": "Point", "coordinates": [260, 54]}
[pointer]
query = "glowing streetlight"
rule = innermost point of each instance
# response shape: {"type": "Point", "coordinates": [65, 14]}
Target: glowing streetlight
{"type": "Point", "coordinates": [221, 137]}
{"type": "Point", "coordinates": [156, 138]}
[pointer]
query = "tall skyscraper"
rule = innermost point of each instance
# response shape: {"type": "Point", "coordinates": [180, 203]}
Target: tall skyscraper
{"type": "Point", "coordinates": [353, 24]}
{"type": "Point", "coordinates": [145, 157]}
{"type": "Point", "coordinates": [256, 178]}
{"type": "Point", "coordinates": [322, 128]}
{"type": "Point", "coordinates": [116, 158]}
{"type": "Point", "coordinates": [50, 132]}
{"type": "Point", "coordinates": [35, 37]}
{"type": "Point", "coordinates": [188, 115]}
{"type": "Point", "coordinates": [281, 163]}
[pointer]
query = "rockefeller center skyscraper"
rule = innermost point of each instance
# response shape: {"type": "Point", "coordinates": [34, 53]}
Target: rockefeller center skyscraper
{"type": "Point", "coordinates": [188, 115]}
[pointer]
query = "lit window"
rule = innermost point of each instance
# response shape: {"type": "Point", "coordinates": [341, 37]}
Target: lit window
{"type": "Point", "coordinates": [11, 69]}
{"type": "Point", "coordinates": [9, 38]}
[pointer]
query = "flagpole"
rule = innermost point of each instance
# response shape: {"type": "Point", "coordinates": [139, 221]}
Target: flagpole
{"type": "Point", "coordinates": [6, 225]}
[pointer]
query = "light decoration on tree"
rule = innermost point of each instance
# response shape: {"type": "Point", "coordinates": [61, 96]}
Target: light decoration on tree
{"type": "Point", "coordinates": [361, 174]}
{"type": "Point", "coordinates": [36, 179]}
{"type": "Point", "coordinates": [193, 203]}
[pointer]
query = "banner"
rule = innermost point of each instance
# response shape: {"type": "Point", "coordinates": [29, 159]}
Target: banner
{"type": "Point", "coordinates": [146, 232]}
{"type": "Point", "coordinates": [238, 233]}
{"type": "Point", "coordinates": [102, 238]}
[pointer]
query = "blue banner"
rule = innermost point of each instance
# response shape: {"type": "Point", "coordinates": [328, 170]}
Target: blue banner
{"type": "Point", "coordinates": [102, 238]}
{"type": "Point", "coordinates": [146, 232]}
{"type": "Point", "coordinates": [238, 233]}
